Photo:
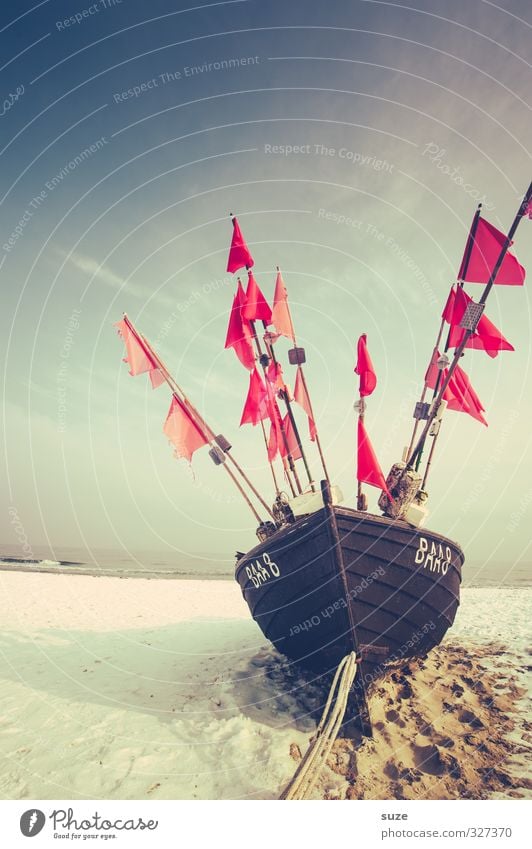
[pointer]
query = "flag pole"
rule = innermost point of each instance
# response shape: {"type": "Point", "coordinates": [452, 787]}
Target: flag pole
{"type": "Point", "coordinates": [467, 257]}
{"type": "Point", "coordinates": [362, 503]}
{"type": "Point", "coordinates": [200, 422]}
{"type": "Point", "coordinates": [288, 404]}
{"type": "Point", "coordinates": [305, 387]}
{"type": "Point", "coordinates": [523, 206]}
{"type": "Point", "coordinates": [288, 461]}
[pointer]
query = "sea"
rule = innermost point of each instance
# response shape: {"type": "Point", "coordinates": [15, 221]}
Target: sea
{"type": "Point", "coordinates": [171, 565]}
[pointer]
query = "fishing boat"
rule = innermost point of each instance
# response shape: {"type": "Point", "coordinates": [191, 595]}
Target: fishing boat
{"type": "Point", "coordinates": [327, 580]}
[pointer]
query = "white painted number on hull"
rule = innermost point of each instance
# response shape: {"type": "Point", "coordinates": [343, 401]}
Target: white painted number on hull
{"type": "Point", "coordinates": [262, 570]}
{"type": "Point", "coordinates": [433, 557]}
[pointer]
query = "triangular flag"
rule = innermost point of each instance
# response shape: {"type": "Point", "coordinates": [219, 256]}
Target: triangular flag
{"type": "Point", "coordinates": [255, 307]}
{"type": "Point", "coordinates": [368, 468]}
{"type": "Point", "coordinates": [486, 337]}
{"type": "Point", "coordinates": [182, 431]}
{"type": "Point", "coordinates": [280, 312]}
{"type": "Point", "coordinates": [138, 358]}
{"type": "Point", "coordinates": [239, 255]}
{"type": "Point", "coordinates": [256, 405]}
{"type": "Point", "coordinates": [459, 394]}
{"type": "Point", "coordinates": [465, 399]}
{"type": "Point", "coordinates": [301, 397]}
{"type": "Point", "coordinates": [275, 442]}
{"type": "Point", "coordinates": [364, 368]}
{"type": "Point", "coordinates": [487, 245]}
{"type": "Point", "coordinates": [289, 443]}
{"type": "Point", "coordinates": [238, 333]}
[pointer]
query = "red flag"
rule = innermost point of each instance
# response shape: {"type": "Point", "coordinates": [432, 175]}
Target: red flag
{"type": "Point", "coordinates": [459, 394]}
{"type": "Point", "coordinates": [274, 375]}
{"type": "Point", "coordinates": [255, 306]}
{"type": "Point", "coordinates": [280, 312]}
{"type": "Point", "coordinates": [182, 431]}
{"type": "Point", "coordinates": [138, 358]}
{"type": "Point", "coordinates": [486, 338]}
{"type": "Point", "coordinates": [302, 398]}
{"type": "Point", "coordinates": [289, 444]}
{"type": "Point", "coordinates": [275, 441]}
{"type": "Point", "coordinates": [368, 468]}
{"type": "Point", "coordinates": [364, 368]}
{"type": "Point", "coordinates": [238, 333]}
{"type": "Point", "coordinates": [448, 309]}
{"type": "Point", "coordinates": [487, 245]}
{"type": "Point", "coordinates": [239, 255]}
{"type": "Point", "coordinates": [256, 405]}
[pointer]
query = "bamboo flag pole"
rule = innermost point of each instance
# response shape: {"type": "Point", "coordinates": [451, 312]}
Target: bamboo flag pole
{"type": "Point", "coordinates": [469, 248]}
{"type": "Point", "coordinates": [288, 461]}
{"type": "Point", "coordinates": [361, 498]}
{"type": "Point", "coordinates": [288, 404]}
{"type": "Point", "coordinates": [305, 387]}
{"type": "Point", "coordinates": [200, 422]}
{"type": "Point", "coordinates": [524, 205]}
{"type": "Point", "coordinates": [467, 257]}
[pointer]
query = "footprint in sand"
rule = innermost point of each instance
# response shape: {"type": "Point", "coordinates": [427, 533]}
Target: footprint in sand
{"type": "Point", "coordinates": [469, 718]}
{"type": "Point", "coordinates": [428, 759]}
{"type": "Point", "coordinates": [393, 716]}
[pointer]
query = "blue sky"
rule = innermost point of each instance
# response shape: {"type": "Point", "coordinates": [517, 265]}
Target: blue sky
{"type": "Point", "coordinates": [130, 133]}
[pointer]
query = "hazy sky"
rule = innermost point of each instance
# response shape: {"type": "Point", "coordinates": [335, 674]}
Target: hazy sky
{"type": "Point", "coordinates": [405, 117]}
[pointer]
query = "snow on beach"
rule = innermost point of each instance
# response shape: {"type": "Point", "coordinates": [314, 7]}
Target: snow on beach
{"type": "Point", "coordinates": [134, 689]}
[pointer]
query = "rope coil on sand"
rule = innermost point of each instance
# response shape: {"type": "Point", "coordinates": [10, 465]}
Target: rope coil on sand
{"type": "Point", "coordinates": [308, 771]}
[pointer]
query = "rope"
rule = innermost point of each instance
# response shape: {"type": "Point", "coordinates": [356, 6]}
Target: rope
{"type": "Point", "coordinates": [308, 771]}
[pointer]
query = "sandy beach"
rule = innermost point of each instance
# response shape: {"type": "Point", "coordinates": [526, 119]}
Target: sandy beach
{"type": "Point", "coordinates": [136, 689]}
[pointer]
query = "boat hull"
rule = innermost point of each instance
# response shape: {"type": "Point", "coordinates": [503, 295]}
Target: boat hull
{"type": "Point", "coordinates": [397, 598]}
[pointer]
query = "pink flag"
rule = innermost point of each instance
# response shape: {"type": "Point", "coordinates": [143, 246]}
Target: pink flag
{"type": "Point", "coordinates": [182, 431]}
{"type": "Point", "coordinates": [138, 357]}
{"type": "Point", "coordinates": [289, 444]}
{"type": "Point", "coordinates": [280, 312]}
{"type": "Point", "coordinates": [459, 394]}
{"type": "Point", "coordinates": [368, 468]}
{"type": "Point", "coordinates": [487, 245]}
{"type": "Point", "coordinates": [239, 255]}
{"type": "Point", "coordinates": [256, 405]}
{"type": "Point", "coordinates": [256, 306]}
{"type": "Point", "coordinates": [275, 442]}
{"type": "Point", "coordinates": [486, 337]}
{"type": "Point", "coordinates": [238, 333]}
{"type": "Point", "coordinates": [448, 309]}
{"type": "Point", "coordinates": [302, 398]}
{"type": "Point", "coordinates": [364, 368]}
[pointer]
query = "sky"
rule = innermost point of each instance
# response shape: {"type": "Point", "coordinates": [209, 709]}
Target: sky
{"type": "Point", "coordinates": [354, 141]}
